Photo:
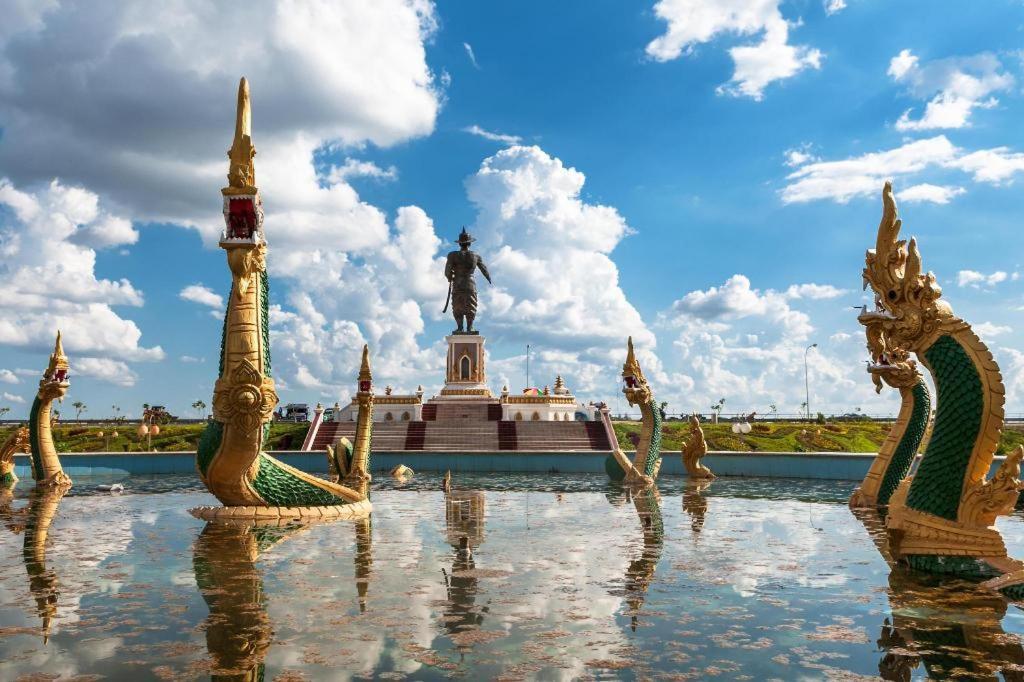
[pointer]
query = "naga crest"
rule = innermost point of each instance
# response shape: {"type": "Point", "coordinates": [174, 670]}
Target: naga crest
{"type": "Point", "coordinates": [635, 386]}
{"type": "Point", "coordinates": [54, 383]}
{"type": "Point", "coordinates": [907, 306]}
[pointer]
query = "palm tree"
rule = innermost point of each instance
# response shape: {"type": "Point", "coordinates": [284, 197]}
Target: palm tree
{"type": "Point", "coordinates": [80, 407]}
{"type": "Point", "coordinates": [199, 406]}
{"type": "Point", "coordinates": [3, 411]}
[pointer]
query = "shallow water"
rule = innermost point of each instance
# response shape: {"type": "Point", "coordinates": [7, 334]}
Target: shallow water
{"type": "Point", "coordinates": [564, 577]}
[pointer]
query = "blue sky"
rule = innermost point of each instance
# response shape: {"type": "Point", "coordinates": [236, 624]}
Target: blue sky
{"type": "Point", "coordinates": [702, 175]}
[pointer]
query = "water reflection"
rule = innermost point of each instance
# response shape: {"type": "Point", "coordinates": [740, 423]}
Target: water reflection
{"type": "Point", "coordinates": [695, 503]}
{"type": "Point", "coordinates": [34, 521]}
{"type": "Point", "coordinates": [640, 571]}
{"type": "Point", "coordinates": [464, 513]}
{"type": "Point", "coordinates": [947, 628]}
{"type": "Point", "coordinates": [238, 631]}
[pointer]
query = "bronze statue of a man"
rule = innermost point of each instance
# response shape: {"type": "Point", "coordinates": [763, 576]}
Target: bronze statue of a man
{"type": "Point", "coordinates": [459, 269]}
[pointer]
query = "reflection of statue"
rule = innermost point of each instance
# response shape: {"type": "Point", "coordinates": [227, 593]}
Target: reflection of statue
{"type": "Point", "coordinates": [695, 504]}
{"type": "Point", "coordinates": [35, 520]}
{"type": "Point", "coordinates": [640, 572]}
{"type": "Point", "coordinates": [459, 270]}
{"type": "Point", "coordinates": [464, 521]}
{"type": "Point", "coordinates": [364, 559]}
{"type": "Point", "coordinates": [238, 631]}
{"type": "Point", "coordinates": [955, 631]}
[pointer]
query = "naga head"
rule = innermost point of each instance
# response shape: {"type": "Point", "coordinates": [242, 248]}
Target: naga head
{"type": "Point", "coordinates": [634, 385]}
{"type": "Point", "coordinates": [907, 306]}
{"type": "Point", "coordinates": [54, 383]}
{"type": "Point", "coordinates": [895, 367]}
{"type": "Point", "coordinates": [243, 209]}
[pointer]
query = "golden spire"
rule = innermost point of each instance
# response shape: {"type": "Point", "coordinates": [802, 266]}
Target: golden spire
{"type": "Point", "coordinates": [57, 359]}
{"type": "Point", "coordinates": [242, 171]}
{"type": "Point", "coordinates": [364, 366]}
{"type": "Point", "coordinates": [630, 357]}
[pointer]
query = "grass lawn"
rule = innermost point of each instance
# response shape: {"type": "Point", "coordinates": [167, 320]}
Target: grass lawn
{"type": "Point", "coordinates": [861, 436]}
{"type": "Point", "coordinates": [172, 437]}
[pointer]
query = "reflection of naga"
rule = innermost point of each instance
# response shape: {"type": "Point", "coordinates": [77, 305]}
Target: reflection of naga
{"type": "Point", "coordinates": [46, 469]}
{"type": "Point", "coordinates": [238, 631]}
{"type": "Point", "coordinates": [230, 457]}
{"type": "Point", "coordinates": [34, 520]}
{"type": "Point", "coordinates": [954, 631]}
{"type": "Point", "coordinates": [643, 470]}
{"type": "Point", "coordinates": [892, 463]}
{"type": "Point", "coordinates": [464, 522]}
{"type": "Point", "coordinates": [942, 518]}
{"type": "Point", "coordinates": [17, 442]}
{"type": "Point", "coordinates": [695, 504]}
{"type": "Point", "coordinates": [696, 447]}
{"type": "Point", "coordinates": [640, 571]}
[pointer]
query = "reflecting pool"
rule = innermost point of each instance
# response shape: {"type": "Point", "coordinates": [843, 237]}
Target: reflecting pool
{"type": "Point", "coordinates": [511, 577]}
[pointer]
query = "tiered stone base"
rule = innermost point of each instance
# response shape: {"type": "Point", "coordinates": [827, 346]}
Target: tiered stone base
{"type": "Point", "coordinates": [356, 510]}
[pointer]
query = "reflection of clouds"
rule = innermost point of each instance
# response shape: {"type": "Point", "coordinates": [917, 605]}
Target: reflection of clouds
{"type": "Point", "coordinates": [769, 542]}
{"type": "Point", "coordinates": [552, 575]}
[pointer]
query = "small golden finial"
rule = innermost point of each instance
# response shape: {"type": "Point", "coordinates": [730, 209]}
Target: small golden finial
{"type": "Point", "coordinates": [364, 366]}
{"type": "Point", "coordinates": [242, 171]}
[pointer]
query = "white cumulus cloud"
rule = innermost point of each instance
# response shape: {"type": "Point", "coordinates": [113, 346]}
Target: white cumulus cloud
{"type": "Point", "coordinates": [48, 276]}
{"type": "Point", "coordinates": [757, 65]}
{"type": "Point", "coordinates": [203, 295]}
{"type": "Point", "coordinates": [973, 278]}
{"type": "Point", "coordinates": [954, 87]}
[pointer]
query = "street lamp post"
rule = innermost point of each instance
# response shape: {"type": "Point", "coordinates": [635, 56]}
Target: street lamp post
{"type": "Point", "coordinates": [527, 365]}
{"type": "Point", "coordinates": [807, 383]}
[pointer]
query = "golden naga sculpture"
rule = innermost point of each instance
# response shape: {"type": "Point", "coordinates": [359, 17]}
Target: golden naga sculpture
{"type": "Point", "coordinates": [643, 470]}
{"type": "Point", "coordinates": [896, 368]}
{"type": "Point", "coordinates": [696, 447]}
{"type": "Point", "coordinates": [17, 442]}
{"type": "Point", "coordinates": [46, 469]}
{"type": "Point", "coordinates": [230, 458]}
{"type": "Point", "coordinates": [350, 464]}
{"type": "Point", "coordinates": [941, 519]}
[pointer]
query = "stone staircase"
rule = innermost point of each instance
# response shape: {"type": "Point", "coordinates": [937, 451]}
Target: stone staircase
{"type": "Point", "coordinates": [465, 434]}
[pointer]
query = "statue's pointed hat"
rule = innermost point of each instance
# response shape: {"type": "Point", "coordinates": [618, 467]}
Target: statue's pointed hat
{"type": "Point", "coordinates": [465, 237]}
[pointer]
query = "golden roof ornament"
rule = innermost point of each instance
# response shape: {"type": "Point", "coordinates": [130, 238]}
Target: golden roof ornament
{"type": "Point", "coordinates": [242, 171]}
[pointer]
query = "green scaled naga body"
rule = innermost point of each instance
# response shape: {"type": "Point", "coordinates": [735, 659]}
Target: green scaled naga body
{"type": "Point", "coordinates": [941, 519]}
{"type": "Point", "coordinates": [643, 470]}
{"type": "Point", "coordinates": [230, 457]}
{"type": "Point", "coordinates": [895, 457]}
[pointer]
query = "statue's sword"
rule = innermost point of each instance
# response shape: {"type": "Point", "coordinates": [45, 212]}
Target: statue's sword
{"type": "Point", "coordinates": [447, 299]}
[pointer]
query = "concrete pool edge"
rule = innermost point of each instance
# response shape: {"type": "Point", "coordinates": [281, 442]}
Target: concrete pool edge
{"type": "Point", "coordinates": [838, 466]}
